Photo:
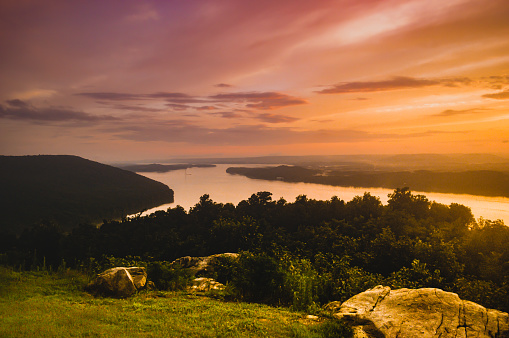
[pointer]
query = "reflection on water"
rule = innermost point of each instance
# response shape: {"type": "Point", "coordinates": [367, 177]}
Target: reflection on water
{"type": "Point", "coordinates": [192, 183]}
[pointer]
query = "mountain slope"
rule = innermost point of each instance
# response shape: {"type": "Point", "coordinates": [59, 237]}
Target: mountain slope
{"type": "Point", "coordinates": [71, 190]}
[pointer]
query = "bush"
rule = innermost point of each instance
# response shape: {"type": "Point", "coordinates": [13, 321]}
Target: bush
{"type": "Point", "coordinates": [224, 268]}
{"type": "Point", "coordinates": [302, 279]}
{"type": "Point", "coordinates": [259, 278]}
{"type": "Point", "coordinates": [168, 277]}
{"type": "Point", "coordinates": [332, 328]}
{"type": "Point", "coordinates": [485, 293]}
{"type": "Point", "coordinates": [417, 276]}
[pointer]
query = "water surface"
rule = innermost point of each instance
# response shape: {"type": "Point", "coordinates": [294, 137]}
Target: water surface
{"type": "Point", "coordinates": [222, 187]}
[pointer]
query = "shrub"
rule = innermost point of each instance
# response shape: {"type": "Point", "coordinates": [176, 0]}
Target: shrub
{"type": "Point", "coordinates": [417, 276]}
{"type": "Point", "coordinates": [332, 328]}
{"type": "Point", "coordinates": [168, 277]}
{"type": "Point", "coordinates": [259, 278]}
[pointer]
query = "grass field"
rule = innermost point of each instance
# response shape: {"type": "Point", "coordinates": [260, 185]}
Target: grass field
{"type": "Point", "coordinates": [42, 304]}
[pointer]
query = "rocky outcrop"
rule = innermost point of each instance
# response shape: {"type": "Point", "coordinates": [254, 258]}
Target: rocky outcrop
{"type": "Point", "coordinates": [204, 284]}
{"type": "Point", "coordinates": [382, 312]}
{"type": "Point", "coordinates": [119, 282]}
{"type": "Point", "coordinates": [200, 265]}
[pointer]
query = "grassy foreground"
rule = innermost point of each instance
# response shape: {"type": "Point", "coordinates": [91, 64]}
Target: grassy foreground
{"type": "Point", "coordinates": [42, 304]}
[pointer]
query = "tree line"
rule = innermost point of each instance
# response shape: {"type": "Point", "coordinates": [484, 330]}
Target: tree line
{"type": "Point", "coordinates": [304, 252]}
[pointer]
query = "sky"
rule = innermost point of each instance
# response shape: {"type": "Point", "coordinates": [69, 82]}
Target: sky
{"type": "Point", "coordinates": [138, 80]}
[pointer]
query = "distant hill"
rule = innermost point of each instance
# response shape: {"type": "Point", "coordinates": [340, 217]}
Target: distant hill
{"type": "Point", "coordinates": [70, 190]}
{"type": "Point", "coordinates": [473, 182]}
{"type": "Point", "coordinates": [162, 168]}
{"type": "Point", "coordinates": [403, 162]}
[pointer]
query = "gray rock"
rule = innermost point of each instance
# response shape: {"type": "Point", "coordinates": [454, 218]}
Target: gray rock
{"type": "Point", "coordinates": [382, 312]}
{"type": "Point", "coordinates": [139, 276]}
{"type": "Point", "coordinates": [119, 282]}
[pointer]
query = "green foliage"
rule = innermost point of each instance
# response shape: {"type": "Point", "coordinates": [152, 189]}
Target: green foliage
{"type": "Point", "coordinates": [301, 254]}
{"type": "Point", "coordinates": [71, 190]}
{"type": "Point", "coordinates": [225, 268]}
{"type": "Point", "coordinates": [334, 329]}
{"type": "Point", "coordinates": [417, 276]}
{"type": "Point", "coordinates": [339, 280]}
{"type": "Point", "coordinates": [168, 277]}
{"type": "Point", "coordinates": [42, 304]}
{"type": "Point", "coordinates": [108, 262]}
{"type": "Point", "coordinates": [483, 292]}
{"type": "Point", "coordinates": [260, 278]}
{"type": "Point", "coordinates": [331, 328]}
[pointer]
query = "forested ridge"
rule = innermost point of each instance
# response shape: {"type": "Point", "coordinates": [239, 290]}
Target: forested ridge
{"type": "Point", "coordinates": [301, 252]}
{"type": "Point", "coordinates": [473, 182]}
{"type": "Point", "coordinates": [70, 189]}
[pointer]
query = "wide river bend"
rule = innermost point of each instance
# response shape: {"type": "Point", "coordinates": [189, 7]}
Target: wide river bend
{"type": "Point", "coordinates": [222, 187]}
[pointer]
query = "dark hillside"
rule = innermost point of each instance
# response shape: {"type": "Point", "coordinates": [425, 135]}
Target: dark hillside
{"type": "Point", "coordinates": [71, 190]}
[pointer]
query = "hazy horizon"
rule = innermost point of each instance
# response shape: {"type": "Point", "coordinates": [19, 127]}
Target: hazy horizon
{"type": "Point", "coordinates": [138, 80]}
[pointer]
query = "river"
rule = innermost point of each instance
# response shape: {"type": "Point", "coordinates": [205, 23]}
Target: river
{"type": "Point", "coordinates": [222, 187]}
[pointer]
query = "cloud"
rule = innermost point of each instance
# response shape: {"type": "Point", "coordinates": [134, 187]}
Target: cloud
{"type": "Point", "coordinates": [111, 96]}
{"type": "Point", "coordinates": [186, 132]}
{"type": "Point", "coordinates": [227, 114]}
{"type": "Point", "coordinates": [323, 120]}
{"type": "Point", "coordinates": [206, 108]}
{"type": "Point", "coordinates": [452, 112]}
{"type": "Point", "coordinates": [180, 101]}
{"type": "Point", "coordinates": [191, 133]}
{"type": "Point", "coordinates": [504, 95]}
{"type": "Point", "coordinates": [178, 106]}
{"type": "Point", "coordinates": [17, 103]}
{"type": "Point", "coordinates": [136, 108]}
{"type": "Point", "coordinates": [395, 83]}
{"type": "Point", "coordinates": [273, 118]}
{"type": "Point", "coordinates": [20, 110]}
{"type": "Point", "coordinates": [260, 100]}
{"type": "Point", "coordinates": [166, 96]}
{"type": "Point", "coordinates": [223, 85]}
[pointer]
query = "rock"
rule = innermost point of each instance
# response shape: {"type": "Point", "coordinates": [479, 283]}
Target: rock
{"type": "Point", "coordinates": [382, 312]}
{"type": "Point", "coordinates": [139, 276]}
{"type": "Point", "coordinates": [200, 265]}
{"type": "Point", "coordinates": [119, 282]}
{"type": "Point", "coordinates": [206, 284]}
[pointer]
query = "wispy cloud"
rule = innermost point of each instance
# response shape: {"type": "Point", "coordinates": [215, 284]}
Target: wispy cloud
{"type": "Point", "coordinates": [504, 95]}
{"type": "Point", "coordinates": [181, 101]}
{"type": "Point", "coordinates": [165, 96]}
{"type": "Point", "coordinates": [20, 110]}
{"type": "Point", "coordinates": [452, 112]}
{"type": "Point", "coordinates": [227, 114]}
{"type": "Point", "coordinates": [274, 118]}
{"type": "Point", "coordinates": [395, 83]}
{"type": "Point", "coordinates": [223, 85]}
{"type": "Point", "coordinates": [134, 108]}
{"type": "Point", "coordinates": [260, 100]}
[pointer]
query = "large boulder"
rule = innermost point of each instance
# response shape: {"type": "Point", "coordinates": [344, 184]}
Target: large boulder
{"type": "Point", "coordinates": [119, 282]}
{"type": "Point", "coordinates": [382, 312]}
{"type": "Point", "coordinates": [199, 266]}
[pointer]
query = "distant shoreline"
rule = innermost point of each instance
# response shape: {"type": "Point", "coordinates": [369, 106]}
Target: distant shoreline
{"type": "Point", "coordinates": [163, 168]}
{"type": "Point", "coordinates": [486, 183]}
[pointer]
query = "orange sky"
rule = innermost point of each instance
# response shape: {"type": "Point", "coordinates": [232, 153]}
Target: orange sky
{"type": "Point", "coordinates": [135, 80]}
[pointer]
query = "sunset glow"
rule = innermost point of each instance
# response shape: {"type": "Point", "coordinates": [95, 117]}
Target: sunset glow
{"type": "Point", "coordinates": [140, 80]}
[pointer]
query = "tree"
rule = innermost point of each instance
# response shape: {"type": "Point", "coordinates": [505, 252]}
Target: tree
{"type": "Point", "coordinates": [403, 200]}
